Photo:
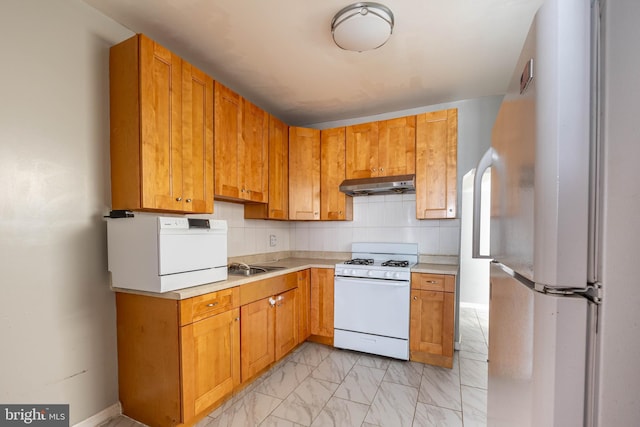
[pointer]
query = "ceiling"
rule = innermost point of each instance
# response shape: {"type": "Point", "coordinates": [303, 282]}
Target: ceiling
{"type": "Point", "coordinates": [279, 54]}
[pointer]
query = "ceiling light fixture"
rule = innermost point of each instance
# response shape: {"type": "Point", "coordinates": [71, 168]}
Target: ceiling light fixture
{"type": "Point", "coordinates": [362, 26]}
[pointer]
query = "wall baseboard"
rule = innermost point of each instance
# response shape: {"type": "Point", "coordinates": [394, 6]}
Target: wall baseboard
{"type": "Point", "coordinates": [101, 417]}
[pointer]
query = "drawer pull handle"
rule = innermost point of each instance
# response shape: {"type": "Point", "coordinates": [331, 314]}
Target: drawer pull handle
{"type": "Point", "coordinates": [213, 304]}
{"type": "Point", "coordinates": [432, 281]}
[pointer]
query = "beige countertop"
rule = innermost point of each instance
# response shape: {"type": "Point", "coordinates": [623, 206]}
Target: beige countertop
{"type": "Point", "coordinates": [290, 265]}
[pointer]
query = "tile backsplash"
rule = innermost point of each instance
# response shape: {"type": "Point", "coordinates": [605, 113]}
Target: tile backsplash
{"type": "Point", "coordinates": [390, 218]}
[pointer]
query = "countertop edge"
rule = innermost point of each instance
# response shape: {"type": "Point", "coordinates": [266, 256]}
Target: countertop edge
{"type": "Point", "coordinates": [291, 265]}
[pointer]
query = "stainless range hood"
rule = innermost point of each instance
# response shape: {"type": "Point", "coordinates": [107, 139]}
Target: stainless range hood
{"type": "Point", "coordinates": [399, 184]}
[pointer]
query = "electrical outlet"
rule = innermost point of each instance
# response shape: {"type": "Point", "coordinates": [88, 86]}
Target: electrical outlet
{"type": "Point", "coordinates": [273, 240]}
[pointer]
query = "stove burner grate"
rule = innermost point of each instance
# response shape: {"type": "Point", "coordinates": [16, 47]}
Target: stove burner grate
{"type": "Point", "coordinates": [360, 261]}
{"type": "Point", "coordinates": [394, 263]}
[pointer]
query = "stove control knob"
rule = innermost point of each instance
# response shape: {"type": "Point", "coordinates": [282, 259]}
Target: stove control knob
{"type": "Point", "coordinates": [370, 273]}
{"type": "Point", "coordinates": [388, 274]}
{"type": "Point", "coordinates": [353, 272]}
{"type": "Point", "coordinates": [396, 275]}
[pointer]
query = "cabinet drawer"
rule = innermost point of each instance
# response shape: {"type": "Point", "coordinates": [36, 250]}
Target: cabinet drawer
{"type": "Point", "coordinates": [264, 288]}
{"type": "Point", "coordinates": [203, 306]}
{"type": "Point", "coordinates": [433, 282]}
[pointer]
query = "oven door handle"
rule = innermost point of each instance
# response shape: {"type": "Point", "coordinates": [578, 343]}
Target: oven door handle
{"type": "Point", "coordinates": [381, 282]}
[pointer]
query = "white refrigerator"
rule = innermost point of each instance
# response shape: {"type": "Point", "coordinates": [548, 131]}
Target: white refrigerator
{"type": "Point", "coordinates": [544, 291]}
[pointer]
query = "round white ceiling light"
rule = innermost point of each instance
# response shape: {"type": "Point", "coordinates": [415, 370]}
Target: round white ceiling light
{"type": "Point", "coordinates": [362, 26]}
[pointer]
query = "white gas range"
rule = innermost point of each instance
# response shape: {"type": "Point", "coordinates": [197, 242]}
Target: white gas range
{"type": "Point", "coordinates": [372, 298]}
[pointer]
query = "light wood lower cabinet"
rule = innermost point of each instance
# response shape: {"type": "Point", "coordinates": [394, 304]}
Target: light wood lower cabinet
{"type": "Point", "coordinates": [432, 319]}
{"type": "Point", "coordinates": [304, 304]}
{"type": "Point", "coordinates": [322, 305]}
{"type": "Point", "coordinates": [210, 361]}
{"type": "Point", "coordinates": [177, 359]}
{"type": "Point", "coordinates": [269, 322]}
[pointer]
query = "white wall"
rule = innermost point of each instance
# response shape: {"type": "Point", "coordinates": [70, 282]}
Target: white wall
{"type": "Point", "coordinates": [57, 314]}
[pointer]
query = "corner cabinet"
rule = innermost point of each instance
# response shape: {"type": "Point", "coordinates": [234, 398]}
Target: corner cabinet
{"type": "Point", "coordinates": [161, 120]}
{"type": "Point", "coordinates": [304, 174]}
{"type": "Point", "coordinates": [436, 164]}
{"type": "Point", "coordinates": [431, 331]}
{"type": "Point", "coordinates": [241, 148]}
{"type": "Point", "coordinates": [334, 205]}
{"type": "Point", "coordinates": [177, 360]}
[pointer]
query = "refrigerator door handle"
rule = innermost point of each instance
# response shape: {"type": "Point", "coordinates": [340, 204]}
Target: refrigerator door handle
{"type": "Point", "coordinates": [487, 160]}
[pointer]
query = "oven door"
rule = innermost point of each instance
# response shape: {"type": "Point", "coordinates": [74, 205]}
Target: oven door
{"type": "Point", "coordinates": [378, 307]}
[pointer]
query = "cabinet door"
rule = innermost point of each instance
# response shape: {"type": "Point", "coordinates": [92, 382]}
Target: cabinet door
{"type": "Point", "coordinates": [278, 169]}
{"type": "Point", "coordinates": [257, 337]}
{"type": "Point", "coordinates": [431, 330]}
{"type": "Point", "coordinates": [436, 163]}
{"type": "Point", "coordinates": [362, 150]}
{"type": "Point", "coordinates": [228, 128]}
{"type": "Point", "coordinates": [397, 146]}
{"type": "Point", "coordinates": [322, 303]}
{"type": "Point", "coordinates": [161, 130]}
{"type": "Point", "coordinates": [304, 304]}
{"type": "Point", "coordinates": [210, 361]}
{"type": "Point", "coordinates": [334, 205]}
{"type": "Point", "coordinates": [286, 322]}
{"type": "Point", "coordinates": [253, 153]}
{"type": "Point", "coordinates": [304, 173]}
{"type": "Point", "coordinates": [197, 140]}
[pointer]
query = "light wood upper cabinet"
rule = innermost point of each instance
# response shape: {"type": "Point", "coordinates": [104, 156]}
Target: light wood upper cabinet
{"type": "Point", "coordinates": [304, 174]}
{"type": "Point", "coordinates": [397, 146]}
{"type": "Point", "coordinates": [197, 139]}
{"type": "Point", "coordinates": [334, 205]}
{"type": "Point", "coordinates": [254, 153]}
{"type": "Point", "coordinates": [384, 148]}
{"type": "Point", "coordinates": [436, 164]}
{"type": "Point", "coordinates": [241, 148]}
{"type": "Point", "coordinates": [362, 150]}
{"type": "Point", "coordinates": [228, 128]}
{"type": "Point", "coordinates": [322, 305]}
{"type": "Point", "coordinates": [278, 204]}
{"type": "Point", "coordinates": [161, 119]}
{"type": "Point", "coordinates": [432, 319]}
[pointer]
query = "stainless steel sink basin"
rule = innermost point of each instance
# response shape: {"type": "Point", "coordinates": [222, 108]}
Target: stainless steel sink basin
{"type": "Point", "coordinates": [239, 269]}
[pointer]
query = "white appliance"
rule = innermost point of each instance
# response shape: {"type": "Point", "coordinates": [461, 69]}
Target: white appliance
{"type": "Point", "coordinates": [164, 253]}
{"type": "Point", "coordinates": [474, 272]}
{"type": "Point", "coordinates": [544, 279]}
{"type": "Point", "coordinates": [372, 294]}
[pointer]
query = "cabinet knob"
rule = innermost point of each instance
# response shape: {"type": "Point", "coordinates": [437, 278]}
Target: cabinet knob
{"type": "Point", "coordinates": [213, 304]}
{"type": "Point", "coordinates": [340, 213]}
{"type": "Point", "coordinates": [237, 319]}
{"type": "Point", "coordinates": [373, 169]}
{"type": "Point", "coordinates": [242, 190]}
{"type": "Point", "coordinates": [315, 213]}
{"type": "Point", "coordinates": [381, 169]}
{"type": "Point", "coordinates": [178, 199]}
{"type": "Point", "coordinates": [188, 200]}
{"type": "Point", "coordinates": [415, 298]}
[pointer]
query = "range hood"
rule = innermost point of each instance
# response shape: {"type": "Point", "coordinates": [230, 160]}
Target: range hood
{"type": "Point", "coordinates": [399, 184]}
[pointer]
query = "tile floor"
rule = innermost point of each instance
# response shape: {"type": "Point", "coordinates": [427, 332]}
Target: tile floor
{"type": "Point", "coordinates": [320, 386]}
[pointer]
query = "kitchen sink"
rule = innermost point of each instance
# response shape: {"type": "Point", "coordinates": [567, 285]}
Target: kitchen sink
{"type": "Point", "coordinates": [239, 269]}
